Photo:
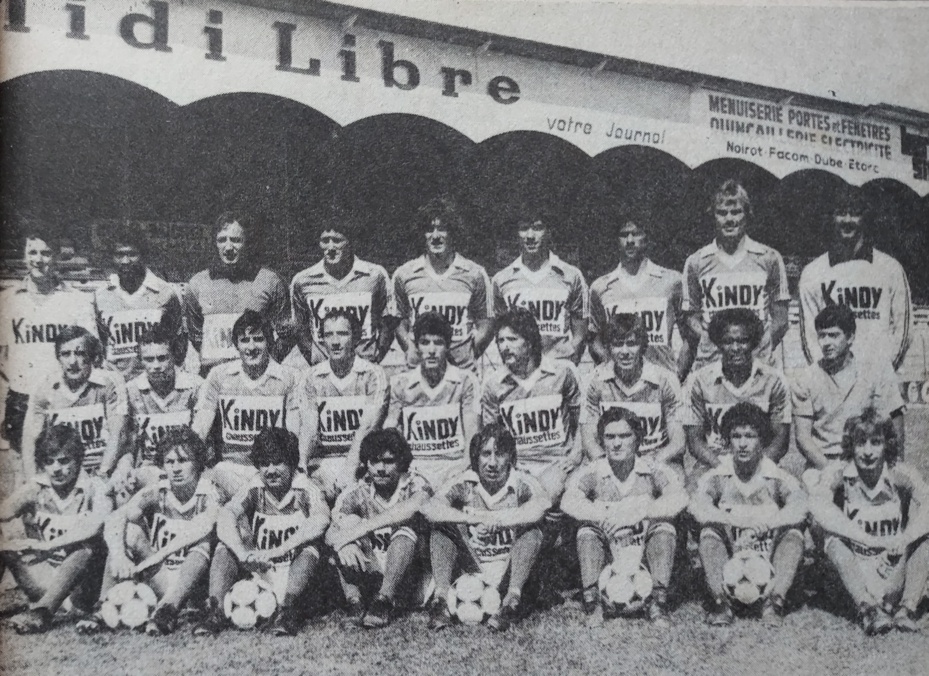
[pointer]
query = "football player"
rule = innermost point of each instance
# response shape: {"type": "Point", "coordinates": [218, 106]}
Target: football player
{"type": "Point", "coordinates": [436, 405]}
{"type": "Point", "coordinates": [444, 281]}
{"type": "Point", "coordinates": [272, 528]}
{"type": "Point", "coordinates": [487, 521]}
{"type": "Point", "coordinates": [62, 509]}
{"type": "Point", "coordinates": [640, 286]}
{"type": "Point", "coordinates": [345, 398]}
{"type": "Point", "coordinates": [341, 280]}
{"type": "Point", "coordinates": [748, 502]}
{"type": "Point", "coordinates": [375, 530]}
{"type": "Point", "coordinates": [553, 291]}
{"type": "Point", "coordinates": [854, 274]}
{"type": "Point", "coordinates": [625, 505]}
{"type": "Point", "coordinates": [735, 271]}
{"type": "Point", "coordinates": [875, 511]}
{"type": "Point", "coordinates": [217, 296]}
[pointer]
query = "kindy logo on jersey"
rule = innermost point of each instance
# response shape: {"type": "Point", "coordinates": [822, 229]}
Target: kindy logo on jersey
{"type": "Point", "coordinates": [245, 416]}
{"type": "Point", "coordinates": [724, 290]}
{"type": "Point", "coordinates": [153, 426]}
{"type": "Point", "coordinates": [273, 530]}
{"type": "Point", "coordinates": [546, 305]}
{"type": "Point", "coordinates": [89, 421]}
{"type": "Point", "coordinates": [451, 305]}
{"type": "Point", "coordinates": [50, 527]}
{"type": "Point", "coordinates": [355, 303]}
{"type": "Point", "coordinates": [434, 430]}
{"type": "Point", "coordinates": [654, 314]}
{"type": "Point", "coordinates": [862, 300]}
{"type": "Point", "coordinates": [25, 334]}
{"type": "Point", "coordinates": [339, 419]}
{"type": "Point", "coordinates": [125, 327]}
{"type": "Point", "coordinates": [163, 531]}
{"type": "Point", "coordinates": [878, 520]}
{"type": "Point", "coordinates": [651, 418]}
{"type": "Point", "coordinates": [712, 426]}
{"type": "Point", "coordinates": [535, 421]}
{"type": "Point", "coordinates": [217, 337]}
{"type": "Point", "coordinates": [490, 544]}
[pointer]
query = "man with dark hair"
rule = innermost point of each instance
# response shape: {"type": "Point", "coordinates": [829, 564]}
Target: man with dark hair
{"type": "Point", "coordinates": [553, 291]}
{"type": "Point", "coordinates": [854, 274]}
{"type": "Point", "coordinates": [133, 300]}
{"type": "Point", "coordinates": [735, 271]}
{"type": "Point", "coordinates": [840, 386]}
{"type": "Point", "coordinates": [435, 405]}
{"type": "Point", "coordinates": [91, 400]}
{"type": "Point", "coordinates": [341, 280]}
{"type": "Point", "coordinates": [32, 312]}
{"type": "Point", "coordinates": [62, 510]}
{"type": "Point", "coordinates": [487, 520]}
{"type": "Point", "coordinates": [444, 281]}
{"type": "Point", "coordinates": [737, 377]}
{"type": "Point", "coordinates": [217, 296]}
{"type": "Point", "coordinates": [272, 528]}
{"type": "Point", "coordinates": [376, 531]}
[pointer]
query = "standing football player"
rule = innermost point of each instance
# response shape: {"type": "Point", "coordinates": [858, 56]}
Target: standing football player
{"type": "Point", "coordinates": [444, 281]}
{"type": "Point", "coordinates": [376, 530]}
{"type": "Point", "coordinates": [624, 503]}
{"type": "Point", "coordinates": [854, 274]}
{"type": "Point", "coordinates": [735, 271]}
{"type": "Point", "coordinates": [487, 520]}
{"type": "Point", "coordinates": [273, 528]}
{"type": "Point", "coordinates": [553, 291]}
{"type": "Point", "coordinates": [341, 280]}
{"type": "Point", "coordinates": [748, 502]}
{"type": "Point", "coordinates": [639, 286]}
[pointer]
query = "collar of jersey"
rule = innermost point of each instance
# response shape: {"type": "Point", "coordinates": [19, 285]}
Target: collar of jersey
{"type": "Point", "coordinates": [865, 253]}
{"type": "Point", "coordinates": [719, 378]}
{"type": "Point", "coordinates": [274, 370]}
{"type": "Point", "coordinates": [96, 377]}
{"type": "Point", "coordinates": [508, 487]}
{"type": "Point", "coordinates": [452, 375]}
{"type": "Point", "coordinates": [422, 265]}
{"type": "Point", "coordinates": [606, 373]}
{"type": "Point", "coordinates": [405, 481]}
{"type": "Point", "coordinates": [299, 482]}
{"type": "Point", "coordinates": [766, 469]}
{"type": "Point", "coordinates": [359, 268]}
{"type": "Point", "coordinates": [647, 269]}
{"type": "Point", "coordinates": [204, 487]}
{"type": "Point", "coordinates": [182, 381]}
{"type": "Point", "coordinates": [359, 365]}
{"type": "Point", "coordinates": [545, 367]}
{"type": "Point", "coordinates": [81, 487]}
{"type": "Point", "coordinates": [553, 262]}
{"type": "Point", "coordinates": [883, 482]}
{"type": "Point", "coordinates": [605, 471]}
{"type": "Point", "coordinates": [150, 282]}
{"type": "Point", "coordinates": [28, 286]}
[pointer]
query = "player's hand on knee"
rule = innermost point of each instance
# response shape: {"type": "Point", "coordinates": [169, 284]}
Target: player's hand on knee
{"type": "Point", "coordinates": [123, 568]}
{"type": "Point", "coordinates": [353, 557]}
{"type": "Point", "coordinates": [257, 561]}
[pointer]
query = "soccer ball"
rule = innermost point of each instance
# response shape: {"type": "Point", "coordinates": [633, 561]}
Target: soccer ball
{"type": "Point", "coordinates": [625, 590]}
{"type": "Point", "coordinates": [472, 600]}
{"type": "Point", "coordinates": [249, 602]}
{"type": "Point", "coordinates": [747, 576]}
{"type": "Point", "coordinates": [128, 604]}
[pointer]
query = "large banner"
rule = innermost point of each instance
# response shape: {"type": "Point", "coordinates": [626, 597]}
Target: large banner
{"type": "Point", "coordinates": [195, 49]}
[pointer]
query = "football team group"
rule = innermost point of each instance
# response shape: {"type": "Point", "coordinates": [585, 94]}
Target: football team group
{"type": "Point", "coordinates": [241, 430]}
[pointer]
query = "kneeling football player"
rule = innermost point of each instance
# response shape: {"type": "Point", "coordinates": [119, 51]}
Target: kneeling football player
{"type": "Point", "coordinates": [62, 510]}
{"type": "Point", "coordinates": [625, 504]}
{"type": "Point", "coordinates": [875, 511]}
{"type": "Point", "coordinates": [271, 528]}
{"type": "Point", "coordinates": [487, 520]}
{"type": "Point", "coordinates": [164, 534]}
{"type": "Point", "coordinates": [375, 530]}
{"type": "Point", "coordinates": [748, 502]}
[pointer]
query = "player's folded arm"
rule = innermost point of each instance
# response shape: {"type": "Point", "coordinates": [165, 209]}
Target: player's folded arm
{"type": "Point", "coordinates": [796, 504]}
{"type": "Point", "coordinates": [89, 526]}
{"type": "Point", "coordinates": [703, 504]}
{"type": "Point", "coordinates": [578, 504]}
{"type": "Point", "coordinates": [828, 515]}
{"type": "Point", "coordinates": [918, 523]}
{"type": "Point", "coordinates": [672, 498]}
{"type": "Point", "coordinates": [441, 508]}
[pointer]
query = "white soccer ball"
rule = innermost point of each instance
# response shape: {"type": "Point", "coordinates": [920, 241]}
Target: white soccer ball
{"type": "Point", "coordinates": [472, 600]}
{"type": "Point", "coordinates": [747, 576]}
{"type": "Point", "coordinates": [128, 604]}
{"type": "Point", "coordinates": [625, 590]}
{"type": "Point", "coordinates": [249, 602]}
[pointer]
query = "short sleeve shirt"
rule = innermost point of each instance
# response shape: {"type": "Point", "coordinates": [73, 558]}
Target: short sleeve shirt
{"type": "Point", "coordinates": [48, 517]}
{"type": "Point", "coordinates": [363, 501]}
{"type": "Point", "coordinates": [151, 416]}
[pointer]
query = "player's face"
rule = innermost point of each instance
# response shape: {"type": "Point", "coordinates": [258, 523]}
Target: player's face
{"type": "Point", "coordinates": [731, 219]}
{"type": "Point", "coordinates": [847, 229]}
{"type": "Point", "coordinates": [253, 348]}
{"type": "Point", "coordinates": [230, 243]}
{"type": "Point", "coordinates": [433, 351]}
{"type": "Point", "coordinates": [181, 470]}
{"type": "Point", "coordinates": [514, 349]}
{"type": "Point", "coordinates": [619, 442]}
{"type": "Point", "coordinates": [384, 471]}
{"type": "Point", "coordinates": [157, 362]}
{"type": "Point", "coordinates": [335, 247]}
{"type": "Point", "coordinates": [869, 452]}
{"type": "Point", "coordinates": [337, 338]}
{"type": "Point", "coordinates": [276, 476]}
{"type": "Point", "coordinates": [533, 239]}
{"type": "Point", "coordinates": [745, 444]}
{"type": "Point", "coordinates": [438, 238]}
{"type": "Point", "coordinates": [632, 241]}
{"type": "Point", "coordinates": [75, 362]}
{"type": "Point", "coordinates": [834, 343]}
{"type": "Point", "coordinates": [736, 346]}
{"type": "Point", "coordinates": [127, 260]}
{"type": "Point", "coordinates": [627, 353]}
{"type": "Point", "coordinates": [493, 466]}
{"type": "Point", "coordinates": [39, 257]}
{"type": "Point", "coordinates": [62, 470]}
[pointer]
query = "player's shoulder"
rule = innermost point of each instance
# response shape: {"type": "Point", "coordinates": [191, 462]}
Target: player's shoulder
{"type": "Point", "coordinates": [199, 279]}
{"type": "Point", "coordinates": [404, 380]}
{"type": "Point", "coordinates": [756, 248]}
{"type": "Point", "coordinates": [467, 265]}
{"type": "Point", "coordinates": [314, 271]}
{"type": "Point", "coordinates": [886, 262]}
{"type": "Point", "coordinates": [370, 268]}
{"type": "Point", "coordinates": [702, 254]}
{"type": "Point", "coordinates": [409, 268]}
{"type": "Point", "coordinates": [565, 268]}
{"type": "Point", "coordinates": [667, 275]}
{"type": "Point", "coordinates": [506, 273]}
{"type": "Point", "coordinates": [106, 378]}
{"type": "Point", "coordinates": [813, 270]}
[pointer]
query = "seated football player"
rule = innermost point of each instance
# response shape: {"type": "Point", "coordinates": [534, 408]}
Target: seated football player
{"type": "Point", "coordinates": [624, 504]}
{"type": "Point", "coordinates": [272, 527]}
{"type": "Point", "coordinates": [626, 380]}
{"type": "Point", "coordinates": [62, 510]}
{"type": "Point", "coordinates": [249, 395]}
{"type": "Point", "coordinates": [345, 398]}
{"type": "Point", "coordinates": [487, 520]}
{"type": "Point", "coordinates": [376, 530]}
{"type": "Point", "coordinates": [748, 502]}
{"type": "Point", "coordinates": [164, 535]}
{"type": "Point", "coordinates": [736, 377]}
{"type": "Point", "coordinates": [91, 400]}
{"type": "Point", "coordinates": [435, 405]}
{"type": "Point", "coordinates": [875, 512]}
